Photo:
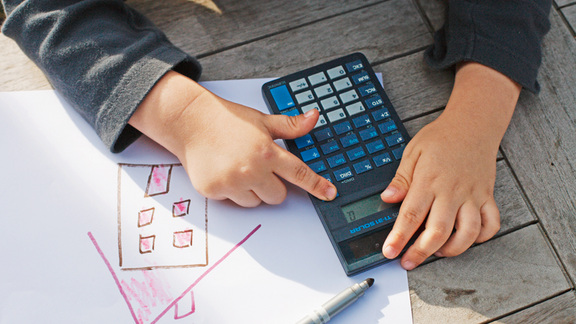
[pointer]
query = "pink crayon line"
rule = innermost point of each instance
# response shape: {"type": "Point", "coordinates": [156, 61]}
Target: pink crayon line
{"type": "Point", "coordinates": [114, 276]}
{"type": "Point", "coordinates": [205, 273]}
{"type": "Point", "coordinates": [176, 317]}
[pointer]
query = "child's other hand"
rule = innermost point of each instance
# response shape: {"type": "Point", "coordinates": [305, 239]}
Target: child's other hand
{"type": "Point", "coordinates": [448, 170]}
{"type": "Point", "coordinates": [227, 149]}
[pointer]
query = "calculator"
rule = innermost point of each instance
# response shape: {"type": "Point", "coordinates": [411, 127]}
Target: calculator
{"type": "Point", "coordinates": [356, 144]}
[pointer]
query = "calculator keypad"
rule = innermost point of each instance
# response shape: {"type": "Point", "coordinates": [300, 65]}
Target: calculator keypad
{"type": "Point", "coordinates": [355, 133]}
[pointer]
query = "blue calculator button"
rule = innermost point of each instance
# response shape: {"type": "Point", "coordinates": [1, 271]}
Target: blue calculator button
{"type": "Point", "coordinates": [387, 127]}
{"type": "Point", "coordinates": [374, 102]}
{"type": "Point", "coordinates": [363, 166]}
{"type": "Point", "coordinates": [318, 166]}
{"type": "Point", "coordinates": [394, 139]}
{"type": "Point", "coordinates": [367, 90]}
{"type": "Point", "coordinates": [361, 121]}
{"type": "Point", "coordinates": [382, 159]}
{"type": "Point", "coordinates": [349, 140]}
{"type": "Point", "coordinates": [361, 77]}
{"type": "Point", "coordinates": [323, 134]}
{"type": "Point", "coordinates": [380, 114]}
{"type": "Point", "coordinates": [310, 154]}
{"type": "Point", "coordinates": [368, 133]}
{"type": "Point", "coordinates": [293, 112]}
{"type": "Point", "coordinates": [343, 174]}
{"type": "Point", "coordinates": [354, 66]}
{"type": "Point", "coordinates": [356, 153]}
{"type": "Point", "coordinates": [342, 128]}
{"type": "Point", "coordinates": [304, 141]}
{"type": "Point", "coordinates": [398, 152]}
{"type": "Point", "coordinates": [330, 147]}
{"type": "Point", "coordinates": [336, 160]}
{"type": "Point", "coordinates": [282, 97]}
{"type": "Point", "coordinates": [375, 146]}
{"type": "Point", "coordinates": [327, 177]}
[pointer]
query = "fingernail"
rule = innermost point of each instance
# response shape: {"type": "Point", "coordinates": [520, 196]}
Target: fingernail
{"type": "Point", "coordinates": [408, 265]}
{"type": "Point", "coordinates": [390, 192]}
{"type": "Point", "coordinates": [390, 252]}
{"type": "Point", "coordinates": [439, 254]}
{"type": "Point", "coordinates": [309, 113]}
{"type": "Point", "coordinates": [331, 193]}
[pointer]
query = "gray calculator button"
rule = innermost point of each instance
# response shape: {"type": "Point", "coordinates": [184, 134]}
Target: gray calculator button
{"type": "Point", "coordinates": [336, 72]}
{"type": "Point", "coordinates": [336, 115]}
{"type": "Point", "coordinates": [298, 85]}
{"type": "Point", "coordinates": [321, 121]}
{"type": "Point", "coordinates": [317, 78]}
{"type": "Point", "coordinates": [304, 97]}
{"type": "Point", "coordinates": [342, 84]}
{"type": "Point", "coordinates": [329, 103]}
{"type": "Point", "coordinates": [310, 107]}
{"type": "Point", "coordinates": [355, 108]}
{"type": "Point", "coordinates": [323, 91]}
{"type": "Point", "coordinates": [346, 96]}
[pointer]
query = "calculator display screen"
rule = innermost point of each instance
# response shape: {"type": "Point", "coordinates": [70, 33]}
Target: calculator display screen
{"type": "Point", "coordinates": [364, 207]}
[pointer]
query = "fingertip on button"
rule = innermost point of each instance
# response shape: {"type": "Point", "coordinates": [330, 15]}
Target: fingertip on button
{"type": "Point", "coordinates": [330, 193]}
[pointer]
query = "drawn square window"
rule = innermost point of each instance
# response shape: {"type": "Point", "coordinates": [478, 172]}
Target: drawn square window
{"type": "Point", "coordinates": [181, 208]}
{"type": "Point", "coordinates": [183, 239]}
{"type": "Point", "coordinates": [158, 180]}
{"type": "Point", "coordinates": [145, 217]}
{"type": "Point", "coordinates": [147, 243]}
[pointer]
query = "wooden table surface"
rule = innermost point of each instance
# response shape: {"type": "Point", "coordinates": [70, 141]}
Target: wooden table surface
{"type": "Point", "coordinates": [526, 273]}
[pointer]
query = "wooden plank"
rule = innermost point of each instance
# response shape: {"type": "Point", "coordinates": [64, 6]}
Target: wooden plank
{"type": "Point", "coordinates": [19, 73]}
{"type": "Point", "coordinates": [380, 31]}
{"type": "Point", "coordinates": [435, 11]}
{"type": "Point", "coordinates": [487, 281]}
{"type": "Point", "coordinates": [197, 29]}
{"type": "Point", "coordinates": [570, 15]}
{"type": "Point", "coordinates": [541, 143]}
{"type": "Point", "coordinates": [558, 310]}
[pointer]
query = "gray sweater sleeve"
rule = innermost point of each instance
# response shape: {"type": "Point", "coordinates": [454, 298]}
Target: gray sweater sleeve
{"type": "Point", "coordinates": [505, 35]}
{"type": "Point", "coordinates": [101, 55]}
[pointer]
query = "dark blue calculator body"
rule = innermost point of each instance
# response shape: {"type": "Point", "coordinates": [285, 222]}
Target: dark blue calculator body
{"type": "Point", "coordinates": [357, 144]}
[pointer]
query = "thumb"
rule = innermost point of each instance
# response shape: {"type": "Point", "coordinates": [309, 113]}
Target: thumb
{"type": "Point", "coordinates": [398, 187]}
{"type": "Point", "coordinates": [290, 127]}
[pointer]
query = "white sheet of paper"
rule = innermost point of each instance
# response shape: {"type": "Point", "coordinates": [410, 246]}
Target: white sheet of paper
{"type": "Point", "coordinates": [77, 229]}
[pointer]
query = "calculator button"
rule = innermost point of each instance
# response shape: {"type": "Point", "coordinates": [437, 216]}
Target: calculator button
{"type": "Point", "coordinates": [336, 115]}
{"type": "Point", "coordinates": [321, 121]}
{"type": "Point", "coordinates": [323, 91]}
{"type": "Point", "coordinates": [398, 152]}
{"type": "Point", "coordinates": [380, 114]}
{"type": "Point", "coordinates": [336, 160]}
{"type": "Point", "coordinates": [303, 141]}
{"type": "Point", "coordinates": [304, 97]}
{"type": "Point", "coordinates": [361, 77]}
{"type": "Point", "coordinates": [355, 108]}
{"type": "Point", "coordinates": [293, 112]}
{"type": "Point", "coordinates": [330, 147]}
{"type": "Point", "coordinates": [354, 66]}
{"type": "Point", "coordinates": [317, 78]}
{"type": "Point", "coordinates": [349, 96]}
{"type": "Point", "coordinates": [329, 103]}
{"type": "Point", "coordinates": [342, 128]}
{"type": "Point", "coordinates": [309, 107]}
{"type": "Point", "coordinates": [375, 146]}
{"type": "Point", "coordinates": [317, 166]}
{"type": "Point", "coordinates": [342, 84]}
{"type": "Point", "coordinates": [298, 85]}
{"type": "Point", "coordinates": [368, 133]}
{"type": "Point", "coordinates": [349, 140]}
{"type": "Point", "coordinates": [361, 121]}
{"type": "Point", "coordinates": [327, 177]}
{"type": "Point", "coordinates": [367, 90]}
{"type": "Point", "coordinates": [394, 139]}
{"type": "Point", "coordinates": [336, 72]}
{"type": "Point", "coordinates": [282, 97]}
{"type": "Point", "coordinates": [363, 166]}
{"type": "Point", "coordinates": [323, 134]}
{"type": "Point", "coordinates": [387, 127]}
{"type": "Point", "coordinates": [343, 174]}
{"type": "Point", "coordinates": [382, 159]}
{"type": "Point", "coordinates": [355, 154]}
{"type": "Point", "coordinates": [374, 102]}
{"type": "Point", "coordinates": [310, 154]}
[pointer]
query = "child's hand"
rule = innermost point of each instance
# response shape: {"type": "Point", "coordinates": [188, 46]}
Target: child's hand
{"type": "Point", "coordinates": [227, 149]}
{"type": "Point", "coordinates": [448, 170]}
